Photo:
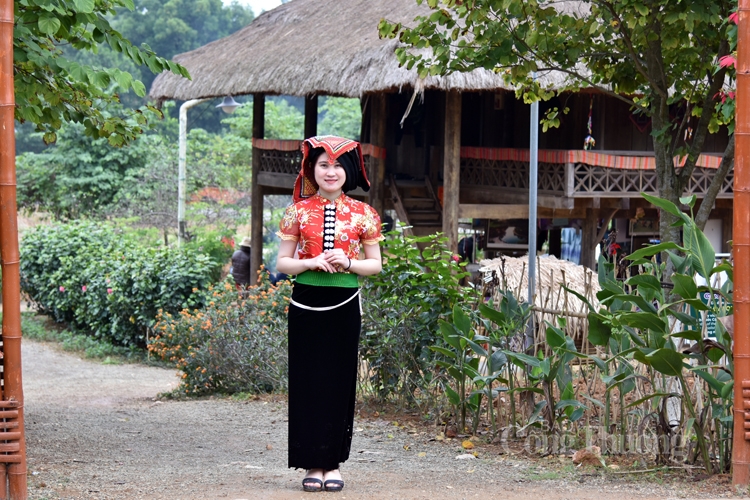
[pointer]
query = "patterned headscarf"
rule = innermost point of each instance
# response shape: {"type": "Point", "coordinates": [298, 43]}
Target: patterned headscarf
{"type": "Point", "coordinates": [346, 151]}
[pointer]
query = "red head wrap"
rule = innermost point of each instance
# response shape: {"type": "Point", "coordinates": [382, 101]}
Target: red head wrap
{"type": "Point", "coordinates": [305, 185]}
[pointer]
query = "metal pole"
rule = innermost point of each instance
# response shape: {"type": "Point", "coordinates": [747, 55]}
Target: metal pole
{"type": "Point", "coordinates": [181, 175]}
{"type": "Point", "coordinates": [533, 167]}
{"type": "Point", "coordinates": [741, 255]}
{"type": "Point", "coordinates": [11, 334]}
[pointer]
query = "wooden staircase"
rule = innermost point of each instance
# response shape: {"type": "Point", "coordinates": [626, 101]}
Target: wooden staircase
{"type": "Point", "coordinates": [416, 204]}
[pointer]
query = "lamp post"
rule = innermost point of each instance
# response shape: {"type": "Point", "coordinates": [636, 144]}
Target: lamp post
{"type": "Point", "coordinates": [228, 106]}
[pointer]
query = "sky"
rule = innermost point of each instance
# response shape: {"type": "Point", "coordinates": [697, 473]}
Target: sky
{"type": "Point", "coordinates": [259, 6]}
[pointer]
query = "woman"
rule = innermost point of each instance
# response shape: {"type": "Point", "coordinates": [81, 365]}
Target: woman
{"type": "Point", "coordinates": [323, 234]}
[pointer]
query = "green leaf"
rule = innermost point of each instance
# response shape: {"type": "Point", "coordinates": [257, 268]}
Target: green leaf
{"type": "Point", "coordinates": [689, 335]}
{"type": "Point", "coordinates": [555, 338]}
{"type": "Point", "coordinates": [453, 396]}
{"type": "Point", "coordinates": [666, 361]}
{"type": "Point", "coordinates": [644, 321]}
{"type": "Point", "coordinates": [461, 320]}
{"type": "Point", "coordinates": [491, 314]}
{"type": "Point", "coordinates": [665, 205]}
{"type": "Point", "coordinates": [139, 88]}
{"type": "Point", "coordinates": [599, 331]}
{"type": "Point", "coordinates": [48, 24]}
{"type": "Point", "coordinates": [653, 250]}
{"type": "Point", "coordinates": [84, 6]}
{"type": "Point", "coordinates": [710, 379]}
{"type": "Point", "coordinates": [651, 396]}
{"type": "Point", "coordinates": [646, 281]}
{"type": "Point", "coordinates": [702, 254]}
{"type": "Point", "coordinates": [726, 391]}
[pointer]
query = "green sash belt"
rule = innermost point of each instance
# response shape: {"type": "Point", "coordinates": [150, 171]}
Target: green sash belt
{"type": "Point", "coordinates": [322, 278]}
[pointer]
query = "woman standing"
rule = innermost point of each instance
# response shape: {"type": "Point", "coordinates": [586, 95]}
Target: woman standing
{"type": "Point", "coordinates": [323, 236]}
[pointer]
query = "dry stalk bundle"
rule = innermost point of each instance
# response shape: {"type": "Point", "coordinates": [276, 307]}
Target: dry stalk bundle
{"type": "Point", "coordinates": [551, 299]}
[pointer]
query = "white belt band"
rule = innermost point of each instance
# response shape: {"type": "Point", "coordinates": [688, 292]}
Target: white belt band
{"type": "Point", "coordinates": [309, 308]}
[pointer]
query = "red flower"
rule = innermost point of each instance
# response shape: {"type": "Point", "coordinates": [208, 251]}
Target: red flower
{"type": "Point", "coordinates": [734, 17]}
{"type": "Point", "coordinates": [456, 258]}
{"type": "Point", "coordinates": [613, 248]}
{"type": "Point", "coordinates": [727, 61]}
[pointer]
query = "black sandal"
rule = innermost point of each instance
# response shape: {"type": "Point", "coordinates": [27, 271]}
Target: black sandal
{"type": "Point", "coordinates": [308, 482]}
{"type": "Point", "coordinates": [335, 485]}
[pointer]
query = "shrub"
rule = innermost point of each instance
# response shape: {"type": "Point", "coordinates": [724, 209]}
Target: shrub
{"type": "Point", "coordinates": [97, 281]}
{"type": "Point", "coordinates": [402, 306]}
{"type": "Point", "coordinates": [237, 343]}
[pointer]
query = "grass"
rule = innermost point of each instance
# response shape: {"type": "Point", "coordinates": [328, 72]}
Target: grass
{"type": "Point", "coordinates": [40, 328]}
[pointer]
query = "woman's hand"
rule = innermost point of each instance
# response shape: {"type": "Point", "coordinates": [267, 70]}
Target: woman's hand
{"type": "Point", "coordinates": [327, 261]}
{"type": "Point", "coordinates": [337, 257]}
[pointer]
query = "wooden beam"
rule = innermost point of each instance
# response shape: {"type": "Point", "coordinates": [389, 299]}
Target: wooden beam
{"type": "Point", "coordinates": [452, 168]}
{"type": "Point", "coordinates": [378, 119]}
{"type": "Point", "coordinates": [399, 207]}
{"type": "Point", "coordinates": [274, 179]}
{"type": "Point", "coordinates": [588, 243]}
{"type": "Point", "coordinates": [311, 115]}
{"type": "Point", "coordinates": [490, 195]}
{"type": "Point", "coordinates": [256, 204]}
{"type": "Point", "coordinates": [603, 229]}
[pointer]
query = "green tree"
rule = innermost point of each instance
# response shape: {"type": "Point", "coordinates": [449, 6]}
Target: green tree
{"type": "Point", "coordinates": [282, 121]}
{"type": "Point", "coordinates": [340, 116]}
{"type": "Point", "coordinates": [171, 27]}
{"type": "Point", "coordinates": [655, 55]}
{"type": "Point", "coordinates": [51, 88]}
{"type": "Point", "coordinates": [79, 175]}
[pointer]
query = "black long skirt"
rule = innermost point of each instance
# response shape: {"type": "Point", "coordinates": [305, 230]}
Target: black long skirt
{"type": "Point", "coordinates": [323, 349]}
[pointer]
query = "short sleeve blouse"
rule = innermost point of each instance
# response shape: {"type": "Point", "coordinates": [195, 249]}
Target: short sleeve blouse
{"type": "Point", "coordinates": [356, 224]}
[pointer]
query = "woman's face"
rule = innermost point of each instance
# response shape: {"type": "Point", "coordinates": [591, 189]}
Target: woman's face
{"type": "Point", "coordinates": [330, 178]}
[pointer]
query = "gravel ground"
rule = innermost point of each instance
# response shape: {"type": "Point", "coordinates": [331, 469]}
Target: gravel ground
{"type": "Point", "coordinates": [98, 431]}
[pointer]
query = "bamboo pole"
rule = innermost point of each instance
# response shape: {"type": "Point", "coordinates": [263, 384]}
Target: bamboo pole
{"type": "Point", "coordinates": [741, 250]}
{"type": "Point", "coordinates": [9, 256]}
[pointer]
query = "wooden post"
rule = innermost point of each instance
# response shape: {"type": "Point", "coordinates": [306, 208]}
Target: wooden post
{"type": "Point", "coordinates": [452, 167]}
{"type": "Point", "coordinates": [256, 206]}
{"type": "Point", "coordinates": [378, 117]}
{"type": "Point", "coordinates": [311, 116]}
{"type": "Point", "coordinates": [588, 243]}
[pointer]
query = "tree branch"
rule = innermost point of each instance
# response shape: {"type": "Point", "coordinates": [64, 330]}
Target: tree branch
{"type": "Point", "coordinates": [727, 163]}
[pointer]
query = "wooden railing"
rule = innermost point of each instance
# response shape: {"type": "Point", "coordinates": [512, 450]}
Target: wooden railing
{"type": "Point", "coordinates": [579, 174]}
{"type": "Point", "coordinates": [573, 174]}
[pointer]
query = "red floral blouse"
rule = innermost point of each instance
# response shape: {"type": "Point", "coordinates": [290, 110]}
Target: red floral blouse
{"type": "Point", "coordinates": [319, 225]}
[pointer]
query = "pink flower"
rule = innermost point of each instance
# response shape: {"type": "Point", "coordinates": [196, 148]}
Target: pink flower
{"type": "Point", "coordinates": [62, 288]}
{"type": "Point", "coordinates": [456, 258]}
{"type": "Point", "coordinates": [734, 17]}
{"type": "Point", "coordinates": [727, 61]}
{"type": "Point", "coordinates": [109, 290]}
{"type": "Point", "coordinates": [83, 288]}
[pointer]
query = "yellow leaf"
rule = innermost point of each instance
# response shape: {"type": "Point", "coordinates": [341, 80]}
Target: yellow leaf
{"type": "Point", "coordinates": [421, 454]}
{"type": "Point", "coordinates": [468, 445]}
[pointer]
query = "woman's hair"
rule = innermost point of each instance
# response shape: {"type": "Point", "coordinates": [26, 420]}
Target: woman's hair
{"type": "Point", "coordinates": [349, 161]}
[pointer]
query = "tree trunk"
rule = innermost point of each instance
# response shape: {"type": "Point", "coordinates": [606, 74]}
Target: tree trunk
{"type": "Point", "coordinates": [727, 163]}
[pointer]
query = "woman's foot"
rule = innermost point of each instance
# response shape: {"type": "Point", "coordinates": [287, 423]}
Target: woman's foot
{"type": "Point", "coordinates": [332, 480]}
{"type": "Point", "coordinates": [313, 480]}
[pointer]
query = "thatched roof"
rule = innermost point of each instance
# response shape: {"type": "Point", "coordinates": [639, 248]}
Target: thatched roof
{"type": "Point", "coordinates": [303, 47]}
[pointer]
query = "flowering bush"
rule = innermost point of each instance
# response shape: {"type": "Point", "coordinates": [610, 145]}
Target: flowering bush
{"type": "Point", "coordinates": [96, 280]}
{"type": "Point", "coordinates": [237, 343]}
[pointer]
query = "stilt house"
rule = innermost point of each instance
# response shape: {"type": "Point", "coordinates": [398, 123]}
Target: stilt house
{"type": "Point", "coordinates": [462, 150]}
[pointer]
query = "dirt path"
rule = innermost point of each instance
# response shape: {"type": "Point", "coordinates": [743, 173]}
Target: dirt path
{"type": "Point", "coordinates": [97, 431]}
